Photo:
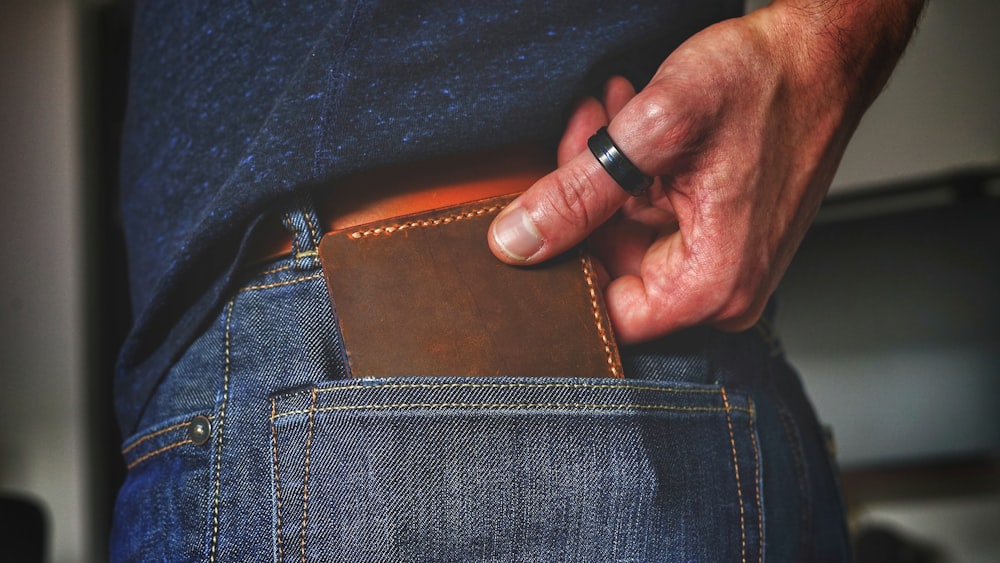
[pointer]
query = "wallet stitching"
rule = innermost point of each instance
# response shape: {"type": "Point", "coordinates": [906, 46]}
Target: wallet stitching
{"type": "Point", "coordinates": [509, 406]}
{"type": "Point", "coordinates": [736, 471]}
{"type": "Point", "coordinates": [588, 273]}
{"type": "Point", "coordinates": [430, 222]}
{"type": "Point", "coordinates": [588, 276]}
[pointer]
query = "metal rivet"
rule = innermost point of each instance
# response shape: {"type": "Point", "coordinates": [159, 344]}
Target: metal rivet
{"type": "Point", "coordinates": [199, 430]}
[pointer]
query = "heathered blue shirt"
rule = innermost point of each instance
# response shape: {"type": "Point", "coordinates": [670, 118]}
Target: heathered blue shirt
{"type": "Point", "coordinates": [235, 105]}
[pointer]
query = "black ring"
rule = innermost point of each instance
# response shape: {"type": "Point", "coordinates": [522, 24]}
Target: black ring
{"type": "Point", "coordinates": [618, 166]}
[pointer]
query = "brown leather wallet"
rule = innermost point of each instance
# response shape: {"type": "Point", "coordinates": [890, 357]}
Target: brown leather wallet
{"type": "Point", "coordinates": [422, 295]}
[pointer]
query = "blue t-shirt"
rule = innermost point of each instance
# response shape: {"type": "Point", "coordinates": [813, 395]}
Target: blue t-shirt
{"type": "Point", "coordinates": [235, 105]}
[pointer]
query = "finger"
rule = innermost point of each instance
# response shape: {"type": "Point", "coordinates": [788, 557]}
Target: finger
{"type": "Point", "coordinates": [648, 304]}
{"type": "Point", "coordinates": [684, 282]}
{"type": "Point", "coordinates": [556, 213]}
{"type": "Point", "coordinates": [588, 116]}
{"type": "Point", "coordinates": [561, 209]}
{"type": "Point", "coordinates": [620, 245]}
{"type": "Point", "coordinates": [618, 91]}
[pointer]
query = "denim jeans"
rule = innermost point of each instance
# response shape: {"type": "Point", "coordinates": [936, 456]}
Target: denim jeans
{"type": "Point", "coordinates": [256, 447]}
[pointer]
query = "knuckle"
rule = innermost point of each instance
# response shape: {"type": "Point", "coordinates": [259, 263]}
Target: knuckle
{"type": "Point", "coordinates": [741, 306]}
{"type": "Point", "coordinates": [570, 202]}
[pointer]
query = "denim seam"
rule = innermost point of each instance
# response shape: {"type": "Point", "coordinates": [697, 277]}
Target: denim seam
{"type": "Point", "coordinates": [276, 270]}
{"type": "Point", "coordinates": [798, 460]}
{"type": "Point", "coordinates": [306, 254]}
{"type": "Point", "coordinates": [277, 480]}
{"type": "Point", "coordinates": [588, 276]}
{"type": "Point", "coordinates": [756, 481]}
{"type": "Point", "coordinates": [305, 481]}
{"type": "Point", "coordinates": [279, 284]}
{"type": "Point", "coordinates": [219, 436]}
{"type": "Point", "coordinates": [769, 335]}
{"type": "Point", "coordinates": [160, 432]}
{"type": "Point", "coordinates": [310, 226]}
{"type": "Point", "coordinates": [509, 406]}
{"type": "Point", "coordinates": [153, 435]}
{"type": "Point", "coordinates": [595, 386]}
{"type": "Point", "coordinates": [157, 452]}
{"type": "Point", "coordinates": [736, 470]}
{"type": "Point", "coordinates": [432, 222]}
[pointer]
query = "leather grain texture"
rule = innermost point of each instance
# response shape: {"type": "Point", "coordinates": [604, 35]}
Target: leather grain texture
{"type": "Point", "coordinates": [422, 295]}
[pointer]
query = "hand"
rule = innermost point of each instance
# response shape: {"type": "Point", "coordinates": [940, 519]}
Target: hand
{"type": "Point", "coordinates": [743, 125]}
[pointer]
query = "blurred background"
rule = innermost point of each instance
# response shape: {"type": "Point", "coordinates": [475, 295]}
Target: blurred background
{"type": "Point", "coordinates": [891, 310]}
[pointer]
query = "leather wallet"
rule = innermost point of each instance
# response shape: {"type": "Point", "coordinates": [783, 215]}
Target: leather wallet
{"type": "Point", "coordinates": [422, 295]}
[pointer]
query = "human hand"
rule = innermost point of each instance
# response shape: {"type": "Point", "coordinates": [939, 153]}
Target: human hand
{"type": "Point", "coordinates": [743, 125]}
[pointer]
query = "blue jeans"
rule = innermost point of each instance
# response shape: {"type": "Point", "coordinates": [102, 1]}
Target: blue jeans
{"type": "Point", "coordinates": [256, 447]}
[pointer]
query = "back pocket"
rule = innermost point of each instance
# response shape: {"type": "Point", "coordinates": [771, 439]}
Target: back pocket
{"type": "Point", "coordinates": [515, 470]}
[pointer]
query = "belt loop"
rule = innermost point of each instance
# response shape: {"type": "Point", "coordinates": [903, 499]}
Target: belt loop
{"type": "Point", "coordinates": [302, 221]}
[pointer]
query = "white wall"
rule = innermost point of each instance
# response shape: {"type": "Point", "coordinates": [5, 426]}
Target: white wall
{"type": "Point", "coordinates": [940, 110]}
{"type": "Point", "coordinates": [41, 410]}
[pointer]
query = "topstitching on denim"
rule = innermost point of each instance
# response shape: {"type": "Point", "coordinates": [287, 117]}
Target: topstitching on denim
{"type": "Point", "coordinates": [219, 436]}
{"type": "Point", "coordinates": [155, 443]}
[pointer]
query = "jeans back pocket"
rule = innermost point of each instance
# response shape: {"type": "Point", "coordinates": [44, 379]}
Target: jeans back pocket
{"type": "Point", "coordinates": [456, 469]}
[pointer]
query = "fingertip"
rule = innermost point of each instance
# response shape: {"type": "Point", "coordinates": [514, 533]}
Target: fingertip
{"type": "Point", "coordinates": [556, 213]}
{"type": "Point", "coordinates": [513, 236]}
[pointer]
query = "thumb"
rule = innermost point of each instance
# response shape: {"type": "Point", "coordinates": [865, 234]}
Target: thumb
{"type": "Point", "coordinates": [556, 213]}
{"type": "Point", "coordinates": [561, 209]}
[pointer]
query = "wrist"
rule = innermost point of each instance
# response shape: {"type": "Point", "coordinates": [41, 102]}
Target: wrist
{"type": "Point", "coordinates": [850, 47]}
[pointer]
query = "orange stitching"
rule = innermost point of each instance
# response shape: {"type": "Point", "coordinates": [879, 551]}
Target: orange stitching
{"type": "Point", "coordinates": [756, 480]}
{"type": "Point", "coordinates": [305, 480]}
{"type": "Point", "coordinates": [588, 276]}
{"type": "Point", "coordinates": [157, 433]}
{"type": "Point", "coordinates": [157, 452]}
{"type": "Point", "coordinates": [277, 480]}
{"type": "Point", "coordinates": [309, 224]}
{"type": "Point", "coordinates": [508, 406]}
{"type": "Point", "coordinates": [276, 270]}
{"type": "Point", "coordinates": [279, 284]}
{"type": "Point", "coordinates": [153, 435]}
{"type": "Point", "coordinates": [306, 254]}
{"type": "Point", "coordinates": [433, 222]}
{"type": "Point", "coordinates": [219, 437]}
{"type": "Point", "coordinates": [736, 468]}
{"type": "Point", "coordinates": [512, 385]}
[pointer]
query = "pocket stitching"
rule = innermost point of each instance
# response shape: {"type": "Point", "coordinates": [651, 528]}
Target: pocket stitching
{"type": "Point", "coordinates": [756, 480]}
{"type": "Point", "coordinates": [219, 436]}
{"type": "Point", "coordinates": [277, 479]}
{"type": "Point", "coordinates": [736, 471]}
{"type": "Point", "coordinates": [509, 406]}
{"type": "Point", "coordinates": [305, 481]}
{"type": "Point", "coordinates": [594, 386]}
{"type": "Point", "coordinates": [152, 435]}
